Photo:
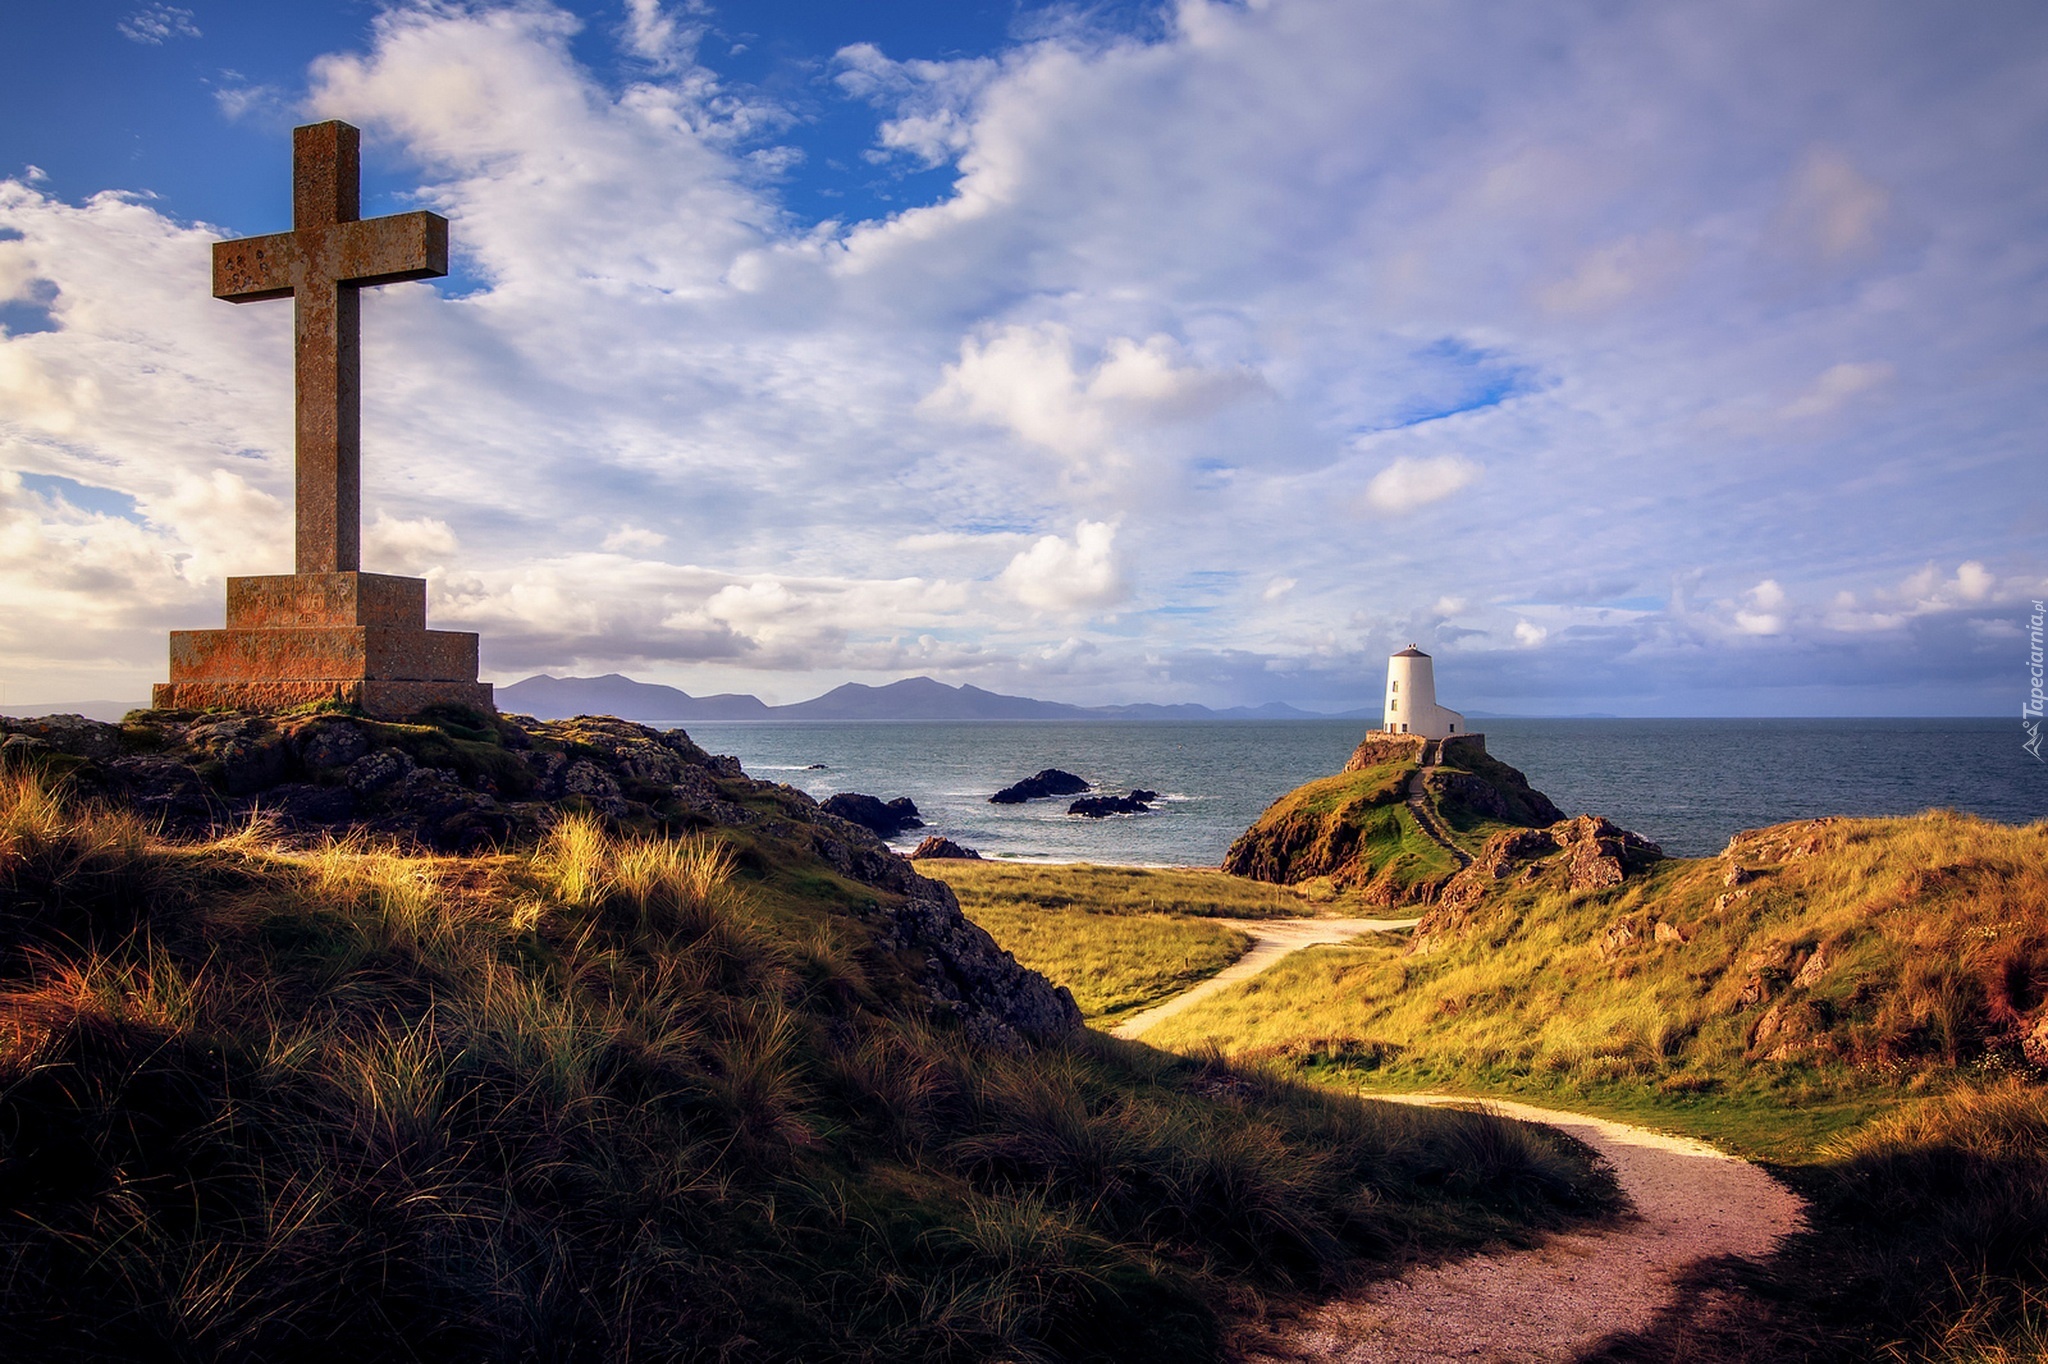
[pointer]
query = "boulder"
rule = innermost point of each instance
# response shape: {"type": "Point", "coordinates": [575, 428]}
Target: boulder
{"type": "Point", "coordinates": [71, 734]}
{"type": "Point", "coordinates": [1050, 782]}
{"type": "Point", "coordinates": [375, 771]}
{"type": "Point", "coordinates": [885, 819]}
{"type": "Point", "coordinates": [329, 743]}
{"type": "Point", "coordinates": [1139, 802]}
{"type": "Point", "coordinates": [935, 847]}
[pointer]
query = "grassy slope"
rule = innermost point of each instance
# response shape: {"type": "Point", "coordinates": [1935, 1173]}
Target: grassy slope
{"type": "Point", "coordinates": [609, 1097]}
{"type": "Point", "coordinates": [1852, 1011]}
{"type": "Point", "coordinates": [1861, 954]}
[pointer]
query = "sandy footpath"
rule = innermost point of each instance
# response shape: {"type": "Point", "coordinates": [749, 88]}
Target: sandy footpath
{"type": "Point", "coordinates": [1552, 1302]}
{"type": "Point", "coordinates": [1272, 939]}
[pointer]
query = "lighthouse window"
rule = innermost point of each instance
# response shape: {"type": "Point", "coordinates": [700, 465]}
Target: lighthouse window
{"type": "Point", "coordinates": [1393, 686]}
{"type": "Point", "coordinates": [1394, 706]}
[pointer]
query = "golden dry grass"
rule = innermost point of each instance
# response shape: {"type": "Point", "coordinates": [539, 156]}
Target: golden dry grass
{"type": "Point", "coordinates": [610, 1097]}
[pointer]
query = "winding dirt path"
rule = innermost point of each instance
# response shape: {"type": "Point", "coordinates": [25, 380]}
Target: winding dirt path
{"type": "Point", "coordinates": [1272, 939]}
{"type": "Point", "coordinates": [1544, 1305]}
{"type": "Point", "coordinates": [1552, 1302]}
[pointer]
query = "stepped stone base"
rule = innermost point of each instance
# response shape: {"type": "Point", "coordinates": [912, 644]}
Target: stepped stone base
{"type": "Point", "coordinates": [291, 639]}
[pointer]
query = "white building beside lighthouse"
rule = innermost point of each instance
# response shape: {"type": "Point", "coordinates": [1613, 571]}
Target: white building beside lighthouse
{"type": "Point", "coordinates": [1411, 699]}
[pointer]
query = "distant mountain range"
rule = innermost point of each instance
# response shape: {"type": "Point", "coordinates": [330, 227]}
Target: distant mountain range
{"type": "Point", "coordinates": [914, 698]}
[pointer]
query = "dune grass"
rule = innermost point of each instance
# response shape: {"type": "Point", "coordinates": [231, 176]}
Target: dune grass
{"type": "Point", "coordinates": [1849, 961]}
{"type": "Point", "coordinates": [617, 1096]}
{"type": "Point", "coordinates": [1844, 998]}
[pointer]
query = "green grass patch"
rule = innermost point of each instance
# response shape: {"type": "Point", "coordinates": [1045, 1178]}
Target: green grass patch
{"type": "Point", "coordinates": [1123, 890]}
{"type": "Point", "coordinates": [1114, 963]}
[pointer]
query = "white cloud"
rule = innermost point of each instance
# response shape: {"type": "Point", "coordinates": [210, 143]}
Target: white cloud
{"type": "Point", "coordinates": [414, 546]}
{"type": "Point", "coordinates": [1528, 634]}
{"type": "Point", "coordinates": [1837, 386]}
{"type": "Point", "coordinates": [629, 537]}
{"type": "Point", "coordinates": [933, 100]}
{"type": "Point", "coordinates": [153, 25]}
{"type": "Point", "coordinates": [1765, 615]}
{"type": "Point", "coordinates": [656, 35]}
{"type": "Point", "coordinates": [1413, 482]}
{"type": "Point", "coordinates": [1061, 575]}
{"type": "Point", "coordinates": [1278, 588]}
{"type": "Point", "coordinates": [1025, 378]}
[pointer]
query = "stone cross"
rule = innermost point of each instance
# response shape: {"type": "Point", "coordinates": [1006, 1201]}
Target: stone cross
{"type": "Point", "coordinates": [330, 254]}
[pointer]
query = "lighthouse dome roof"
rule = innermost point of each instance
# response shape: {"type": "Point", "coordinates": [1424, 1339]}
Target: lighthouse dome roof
{"type": "Point", "coordinates": [1411, 652]}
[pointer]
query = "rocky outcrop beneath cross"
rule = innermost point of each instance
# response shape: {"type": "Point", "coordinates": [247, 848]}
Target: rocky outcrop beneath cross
{"type": "Point", "coordinates": [460, 781]}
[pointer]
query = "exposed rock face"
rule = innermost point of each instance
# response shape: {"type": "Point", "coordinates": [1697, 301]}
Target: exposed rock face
{"type": "Point", "coordinates": [934, 846]}
{"type": "Point", "coordinates": [459, 781]}
{"type": "Point", "coordinates": [2034, 1041]}
{"type": "Point", "coordinates": [1592, 852]}
{"type": "Point", "coordinates": [997, 1001]}
{"type": "Point", "coordinates": [1051, 782]}
{"type": "Point", "coordinates": [1139, 802]}
{"type": "Point", "coordinates": [1376, 750]}
{"type": "Point", "coordinates": [885, 819]}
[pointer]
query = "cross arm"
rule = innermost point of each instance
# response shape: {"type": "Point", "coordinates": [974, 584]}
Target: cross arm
{"type": "Point", "coordinates": [404, 246]}
{"type": "Point", "coordinates": [253, 268]}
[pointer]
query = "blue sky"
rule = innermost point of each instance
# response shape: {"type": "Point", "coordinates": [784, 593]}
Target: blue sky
{"type": "Point", "coordinates": [1677, 358]}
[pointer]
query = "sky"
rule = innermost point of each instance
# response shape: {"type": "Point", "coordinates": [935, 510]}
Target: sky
{"type": "Point", "coordinates": [1667, 358]}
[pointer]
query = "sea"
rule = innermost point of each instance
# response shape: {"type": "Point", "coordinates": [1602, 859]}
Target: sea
{"type": "Point", "coordinates": [1687, 785]}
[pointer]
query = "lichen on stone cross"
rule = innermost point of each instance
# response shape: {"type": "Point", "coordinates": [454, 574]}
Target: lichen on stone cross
{"type": "Point", "coordinates": [330, 254]}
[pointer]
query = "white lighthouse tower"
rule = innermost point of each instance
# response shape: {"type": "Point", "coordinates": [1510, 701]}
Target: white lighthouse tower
{"type": "Point", "coordinates": [1411, 699]}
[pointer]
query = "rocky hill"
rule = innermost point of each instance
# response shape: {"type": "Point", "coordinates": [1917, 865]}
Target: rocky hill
{"type": "Point", "coordinates": [1407, 815]}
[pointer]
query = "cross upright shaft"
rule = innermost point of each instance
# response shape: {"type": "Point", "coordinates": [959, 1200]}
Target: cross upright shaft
{"type": "Point", "coordinates": [321, 265]}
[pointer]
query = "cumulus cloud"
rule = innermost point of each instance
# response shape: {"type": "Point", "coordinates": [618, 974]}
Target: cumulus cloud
{"type": "Point", "coordinates": [1025, 378]}
{"type": "Point", "coordinates": [631, 537]}
{"type": "Point", "coordinates": [413, 546]}
{"type": "Point", "coordinates": [1062, 575]}
{"type": "Point", "coordinates": [1413, 482]}
{"type": "Point", "coordinates": [1528, 634]}
{"type": "Point", "coordinates": [1764, 615]}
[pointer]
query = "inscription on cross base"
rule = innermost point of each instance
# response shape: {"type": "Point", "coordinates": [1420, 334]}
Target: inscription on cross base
{"type": "Point", "coordinates": [330, 254]}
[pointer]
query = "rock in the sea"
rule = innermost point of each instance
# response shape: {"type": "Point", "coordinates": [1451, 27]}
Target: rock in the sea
{"type": "Point", "coordinates": [885, 819]}
{"type": "Point", "coordinates": [944, 848]}
{"type": "Point", "coordinates": [1051, 782]}
{"type": "Point", "coordinates": [1139, 802]}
